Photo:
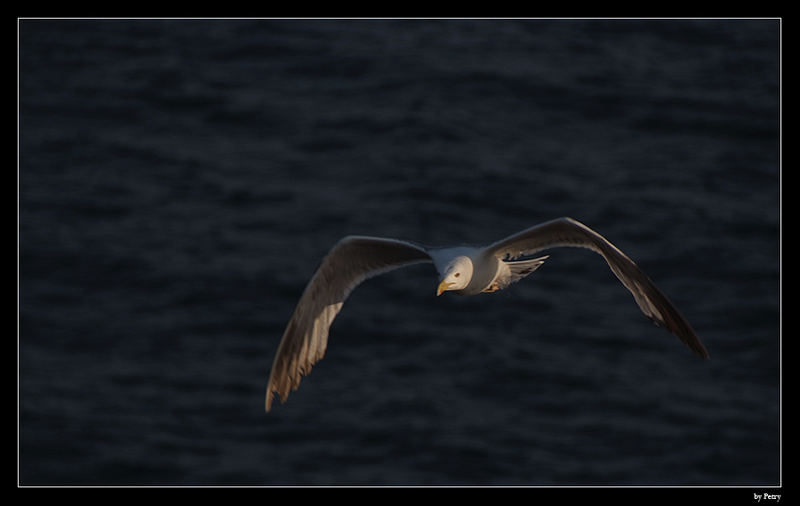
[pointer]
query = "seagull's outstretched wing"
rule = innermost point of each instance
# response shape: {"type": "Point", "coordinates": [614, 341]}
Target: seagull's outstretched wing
{"type": "Point", "coordinates": [351, 261]}
{"type": "Point", "coordinates": [569, 232]}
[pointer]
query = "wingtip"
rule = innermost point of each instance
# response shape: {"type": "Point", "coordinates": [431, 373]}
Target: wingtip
{"type": "Point", "coordinates": [268, 401]}
{"type": "Point", "coordinates": [698, 348]}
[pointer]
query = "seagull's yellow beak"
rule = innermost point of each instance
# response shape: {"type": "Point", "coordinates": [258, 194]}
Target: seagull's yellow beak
{"type": "Point", "coordinates": [443, 286]}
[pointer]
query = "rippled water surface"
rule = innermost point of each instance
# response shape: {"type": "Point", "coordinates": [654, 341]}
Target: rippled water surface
{"type": "Point", "coordinates": [179, 181]}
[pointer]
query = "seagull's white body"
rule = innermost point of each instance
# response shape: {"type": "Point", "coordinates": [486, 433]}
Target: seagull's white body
{"type": "Point", "coordinates": [482, 271]}
{"type": "Point", "coordinates": [462, 269]}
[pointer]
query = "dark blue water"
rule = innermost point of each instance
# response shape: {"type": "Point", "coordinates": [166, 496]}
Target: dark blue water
{"type": "Point", "coordinates": [179, 181]}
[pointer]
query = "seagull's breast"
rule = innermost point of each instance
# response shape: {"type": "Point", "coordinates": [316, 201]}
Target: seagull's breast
{"type": "Point", "coordinates": [486, 268]}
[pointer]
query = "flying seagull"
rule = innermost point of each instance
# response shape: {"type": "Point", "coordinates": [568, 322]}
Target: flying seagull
{"type": "Point", "coordinates": [464, 270]}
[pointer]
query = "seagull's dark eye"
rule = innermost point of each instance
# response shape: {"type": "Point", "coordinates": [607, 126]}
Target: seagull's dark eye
{"type": "Point", "coordinates": [457, 274]}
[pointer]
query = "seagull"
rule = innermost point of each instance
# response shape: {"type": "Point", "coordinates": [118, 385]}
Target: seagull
{"type": "Point", "coordinates": [465, 270]}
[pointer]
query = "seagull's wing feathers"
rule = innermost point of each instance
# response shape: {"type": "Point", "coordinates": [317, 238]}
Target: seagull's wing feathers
{"type": "Point", "coordinates": [353, 260]}
{"type": "Point", "coordinates": [569, 232]}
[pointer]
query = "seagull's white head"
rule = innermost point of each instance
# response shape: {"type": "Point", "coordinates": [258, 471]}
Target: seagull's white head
{"type": "Point", "coordinates": [456, 276]}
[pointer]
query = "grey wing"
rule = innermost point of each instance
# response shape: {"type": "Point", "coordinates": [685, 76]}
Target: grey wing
{"type": "Point", "coordinates": [568, 232]}
{"type": "Point", "coordinates": [353, 260]}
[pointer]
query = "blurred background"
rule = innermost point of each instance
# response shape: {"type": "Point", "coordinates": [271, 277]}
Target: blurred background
{"type": "Point", "coordinates": [179, 182]}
